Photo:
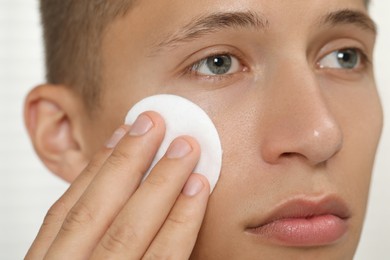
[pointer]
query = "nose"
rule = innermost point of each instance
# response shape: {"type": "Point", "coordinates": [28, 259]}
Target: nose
{"type": "Point", "coordinates": [301, 123]}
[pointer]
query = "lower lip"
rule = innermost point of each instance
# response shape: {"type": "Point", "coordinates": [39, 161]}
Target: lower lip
{"type": "Point", "coordinates": [314, 231]}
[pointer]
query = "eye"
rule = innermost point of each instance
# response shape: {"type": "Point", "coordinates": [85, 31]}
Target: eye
{"type": "Point", "coordinates": [217, 65]}
{"type": "Point", "coordinates": [342, 59]}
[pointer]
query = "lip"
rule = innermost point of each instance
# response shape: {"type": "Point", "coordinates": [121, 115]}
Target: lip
{"type": "Point", "coordinates": [304, 222]}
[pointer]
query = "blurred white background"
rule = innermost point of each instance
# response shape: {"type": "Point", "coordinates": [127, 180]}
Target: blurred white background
{"type": "Point", "coordinates": [27, 189]}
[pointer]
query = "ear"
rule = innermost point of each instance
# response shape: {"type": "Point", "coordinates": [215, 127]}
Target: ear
{"type": "Point", "coordinates": [52, 118]}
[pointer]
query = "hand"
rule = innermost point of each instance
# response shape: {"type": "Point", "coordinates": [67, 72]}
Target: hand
{"type": "Point", "coordinates": [108, 214]}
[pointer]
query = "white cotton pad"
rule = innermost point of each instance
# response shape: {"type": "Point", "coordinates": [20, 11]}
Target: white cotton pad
{"type": "Point", "coordinates": [182, 117]}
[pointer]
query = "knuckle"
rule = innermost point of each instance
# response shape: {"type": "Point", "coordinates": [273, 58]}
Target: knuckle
{"type": "Point", "coordinates": [118, 238]}
{"type": "Point", "coordinates": [119, 158]}
{"type": "Point", "coordinates": [78, 217]}
{"type": "Point", "coordinates": [179, 220]}
{"type": "Point", "coordinates": [126, 160]}
{"type": "Point", "coordinates": [157, 180]}
{"type": "Point", "coordinates": [56, 213]}
{"type": "Point", "coordinates": [92, 167]}
{"type": "Point", "coordinates": [183, 220]}
{"type": "Point", "coordinates": [153, 255]}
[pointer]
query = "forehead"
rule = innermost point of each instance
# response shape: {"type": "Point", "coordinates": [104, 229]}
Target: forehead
{"type": "Point", "coordinates": [146, 14]}
{"type": "Point", "coordinates": [185, 7]}
{"type": "Point", "coordinates": [157, 22]}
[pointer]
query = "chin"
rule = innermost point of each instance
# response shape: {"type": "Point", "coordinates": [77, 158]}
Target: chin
{"type": "Point", "coordinates": [250, 249]}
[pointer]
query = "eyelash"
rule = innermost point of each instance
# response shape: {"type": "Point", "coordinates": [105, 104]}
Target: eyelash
{"type": "Point", "coordinates": [364, 59]}
{"type": "Point", "coordinates": [363, 55]}
{"type": "Point", "coordinates": [191, 69]}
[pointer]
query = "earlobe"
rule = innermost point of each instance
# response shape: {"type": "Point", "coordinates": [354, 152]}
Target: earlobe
{"type": "Point", "coordinates": [50, 122]}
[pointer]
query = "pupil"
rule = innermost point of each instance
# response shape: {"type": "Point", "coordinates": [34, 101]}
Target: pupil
{"type": "Point", "coordinates": [348, 58]}
{"type": "Point", "coordinates": [219, 64]}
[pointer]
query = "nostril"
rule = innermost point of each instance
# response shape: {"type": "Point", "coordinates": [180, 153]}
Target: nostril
{"type": "Point", "coordinates": [290, 155]}
{"type": "Point", "coordinates": [287, 155]}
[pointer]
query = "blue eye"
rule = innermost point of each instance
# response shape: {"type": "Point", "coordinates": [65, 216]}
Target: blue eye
{"type": "Point", "coordinates": [217, 65]}
{"type": "Point", "coordinates": [342, 59]}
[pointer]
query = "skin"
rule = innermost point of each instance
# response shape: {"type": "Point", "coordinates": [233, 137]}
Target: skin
{"type": "Point", "coordinates": [290, 128]}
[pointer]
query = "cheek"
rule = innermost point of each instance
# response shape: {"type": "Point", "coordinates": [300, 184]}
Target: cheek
{"type": "Point", "coordinates": [360, 116]}
{"type": "Point", "coordinates": [247, 182]}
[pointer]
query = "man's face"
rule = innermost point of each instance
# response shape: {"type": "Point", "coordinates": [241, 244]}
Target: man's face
{"type": "Point", "coordinates": [290, 88]}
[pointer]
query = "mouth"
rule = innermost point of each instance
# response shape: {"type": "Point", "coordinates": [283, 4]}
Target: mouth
{"type": "Point", "coordinates": [304, 222]}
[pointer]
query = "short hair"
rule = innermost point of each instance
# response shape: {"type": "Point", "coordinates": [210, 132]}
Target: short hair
{"type": "Point", "coordinates": [72, 31]}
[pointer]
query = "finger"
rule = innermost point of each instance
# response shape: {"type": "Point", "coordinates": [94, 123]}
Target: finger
{"type": "Point", "coordinates": [137, 224]}
{"type": "Point", "coordinates": [118, 178]}
{"type": "Point", "coordinates": [177, 237]}
{"type": "Point", "coordinates": [58, 211]}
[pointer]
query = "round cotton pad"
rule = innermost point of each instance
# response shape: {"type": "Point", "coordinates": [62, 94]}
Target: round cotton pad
{"type": "Point", "coordinates": [182, 117]}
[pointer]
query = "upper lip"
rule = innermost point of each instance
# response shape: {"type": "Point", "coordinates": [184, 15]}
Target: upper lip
{"type": "Point", "coordinates": [305, 208]}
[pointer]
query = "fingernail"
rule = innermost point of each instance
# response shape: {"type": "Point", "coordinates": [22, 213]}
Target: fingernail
{"type": "Point", "coordinates": [193, 186]}
{"type": "Point", "coordinates": [179, 148]}
{"type": "Point", "coordinates": [141, 126]}
{"type": "Point", "coordinates": [115, 138]}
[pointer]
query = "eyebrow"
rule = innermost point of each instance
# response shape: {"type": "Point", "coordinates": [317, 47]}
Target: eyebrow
{"type": "Point", "coordinates": [214, 22]}
{"type": "Point", "coordinates": [347, 16]}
